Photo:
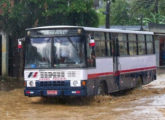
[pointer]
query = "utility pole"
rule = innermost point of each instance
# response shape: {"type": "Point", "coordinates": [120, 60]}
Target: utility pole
{"type": "Point", "coordinates": [107, 25]}
{"type": "Point", "coordinates": [156, 9]}
{"type": "Point", "coordinates": [141, 23]}
{"type": "Point", "coordinates": [156, 6]}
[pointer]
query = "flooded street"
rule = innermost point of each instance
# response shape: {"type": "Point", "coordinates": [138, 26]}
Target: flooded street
{"type": "Point", "coordinates": [147, 103]}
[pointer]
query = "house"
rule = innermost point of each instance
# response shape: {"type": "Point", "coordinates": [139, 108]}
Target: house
{"type": "Point", "coordinates": [159, 31]}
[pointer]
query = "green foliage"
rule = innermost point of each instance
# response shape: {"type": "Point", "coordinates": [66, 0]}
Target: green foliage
{"type": "Point", "coordinates": [101, 16]}
{"type": "Point", "coordinates": [120, 13]}
{"type": "Point", "coordinates": [155, 18]}
{"type": "Point", "coordinates": [75, 12]}
{"type": "Point", "coordinates": [128, 12]}
{"type": "Point", "coordinates": [147, 10]}
{"type": "Point", "coordinates": [30, 13]}
{"type": "Point", "coordinates": [142, 8]}
{"type": "Point", "coordinates": [162, 7]}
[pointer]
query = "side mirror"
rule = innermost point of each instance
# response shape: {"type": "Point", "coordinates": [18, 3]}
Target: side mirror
{"type": "Point", "coordinates": [20, 40]}
{"type": "Point", "coordinates": [91, 42]}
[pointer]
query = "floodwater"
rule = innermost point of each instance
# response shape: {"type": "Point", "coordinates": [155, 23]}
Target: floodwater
{"type": "Point", "coordinates": [146, 103]}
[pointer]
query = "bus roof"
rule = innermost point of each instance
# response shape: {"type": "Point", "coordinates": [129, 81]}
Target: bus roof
{"type": "Point", "coordinates": [52, 27]}
{"type": "Point", "coordinates": [93, 29]}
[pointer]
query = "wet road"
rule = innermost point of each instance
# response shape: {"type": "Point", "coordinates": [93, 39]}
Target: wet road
{"type": "Point", "coordinates": [147, 103]}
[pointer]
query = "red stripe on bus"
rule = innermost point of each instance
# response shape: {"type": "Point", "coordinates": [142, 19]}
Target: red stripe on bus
{"type": "Point", "coordinates": [137, 69]}
{"type": "Point", "coordinates": [35, 74]}
{"type": "Point", "coordinates": [119, 72]}
{"type": "Point", "coordinates": [99, 74]}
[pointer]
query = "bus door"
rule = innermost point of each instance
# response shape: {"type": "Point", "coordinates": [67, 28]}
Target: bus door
{"type": "Point", "coordinates": [115, 53]}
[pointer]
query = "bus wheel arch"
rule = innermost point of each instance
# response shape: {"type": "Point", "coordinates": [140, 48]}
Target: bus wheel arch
{"type": "Point", "coordinates": [139, 81]}
{"type": "Point", "coordinates": [102, 88]}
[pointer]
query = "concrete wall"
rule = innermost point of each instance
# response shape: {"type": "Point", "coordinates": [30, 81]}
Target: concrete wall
{"type": "Point", "coordinates": [159, 31]}
{"type": "Point", "coordinates": [157, 28]}
{"type": "Point", "coordinates": [4, 59]}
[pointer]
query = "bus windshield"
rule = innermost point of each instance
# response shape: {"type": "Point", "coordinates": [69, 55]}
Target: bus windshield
{"type": "Point", "coordinates": [55, 52]}
{"type": "Point", "coordinates": [38, 53]}
{"type": "Point", "coordinates": [68, 51]}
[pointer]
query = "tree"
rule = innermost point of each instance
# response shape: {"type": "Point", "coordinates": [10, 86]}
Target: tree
{"type": "Point", "coordinates": [151, 10]}
{"type": "Point", "coordinates": [17, 15]}
{"type": "Point", "coordinates": [142, 8]}
{"type": "Point", "coordinates": [29, 13]}
{"type": "Point", "coordinates": [104, 14]}
{"type": "Point", "coordinates": [120, 14]}
{"type": "Point", "coordinates": [155, 18]}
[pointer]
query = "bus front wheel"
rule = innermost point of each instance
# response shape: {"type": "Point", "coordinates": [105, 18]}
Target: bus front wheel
{"type": "Point", "coordinates": [102, 89]}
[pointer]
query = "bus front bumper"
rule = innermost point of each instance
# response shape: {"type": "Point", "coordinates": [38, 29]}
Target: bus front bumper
{"type": "Point", "coordinates": [54, 92]}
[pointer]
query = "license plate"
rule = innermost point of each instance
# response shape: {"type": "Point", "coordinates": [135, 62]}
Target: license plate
{"type": "Point", "coordinates": [51, 92]}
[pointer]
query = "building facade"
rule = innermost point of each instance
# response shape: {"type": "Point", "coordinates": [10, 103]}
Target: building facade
{"type": "Point", "coordinates": [159, 31]}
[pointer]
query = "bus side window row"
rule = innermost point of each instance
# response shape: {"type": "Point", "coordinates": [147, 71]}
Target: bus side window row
{"type": "Point", "coordinates": [132, 44]}
{"type": "Point", "coordinates": [141, 44]}
{"type": "Point", "coordinates": [103, 44]}
{"type": "Point", "coordinates": [100, 44]}
{"type": "Point", "coordinates": [129, 44]}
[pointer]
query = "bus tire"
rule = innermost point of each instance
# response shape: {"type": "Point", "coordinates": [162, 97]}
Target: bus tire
{"type": "Point", "coordinates": [102, 88]}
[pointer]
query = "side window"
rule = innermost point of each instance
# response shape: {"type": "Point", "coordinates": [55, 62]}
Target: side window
{"type": "Point", "coordinates": [100, 44]}
{"type": "Point", "coordinates": [132, 44]}
{"type": "Point", "coordinates": [141, 44]}
{"type": "Point", "coordinates": [149, 41]}
{"type": "Point", "coordinates": [122, 38]}
{"type": "Point", "coordinates": [108, 42]}
{"type": "Point", "coordinates": [114, 45]}
{"type": "Point", "coordinates": [91, 61]}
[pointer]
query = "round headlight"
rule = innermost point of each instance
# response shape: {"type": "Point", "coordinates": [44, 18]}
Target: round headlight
{"type": "Point", "coordinates": [31, 83]}
{"type": "Point", "coordinates": [75, 83]}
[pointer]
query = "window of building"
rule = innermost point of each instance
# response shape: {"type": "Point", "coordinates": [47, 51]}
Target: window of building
{"type": "Point", "coordinates": [100, 44]}
{"type": "Point", "coordinates": [149, 41]}
{"type": "Point", "coordinates": [132, 44]}
{"type": "Point", "coordinates": [141, 44]}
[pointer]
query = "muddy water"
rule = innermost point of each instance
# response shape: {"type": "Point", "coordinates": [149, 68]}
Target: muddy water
{"type": "Point", "coordinates": [13, 105]}
{"type": "Point", "coordinates": [146, 103]}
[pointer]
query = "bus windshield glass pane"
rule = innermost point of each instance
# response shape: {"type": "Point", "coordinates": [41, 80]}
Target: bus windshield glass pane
{"type": "Point", "coordinates": [68, 52]}
{"type": "Point", "coordinates": [38, 53]}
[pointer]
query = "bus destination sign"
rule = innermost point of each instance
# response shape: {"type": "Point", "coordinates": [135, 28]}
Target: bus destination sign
{"type": "Point", "coordinates": [55, 32]}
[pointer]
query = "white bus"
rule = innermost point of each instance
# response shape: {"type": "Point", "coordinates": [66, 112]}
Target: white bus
{"type": "Point", "coordinates": [85, 61]}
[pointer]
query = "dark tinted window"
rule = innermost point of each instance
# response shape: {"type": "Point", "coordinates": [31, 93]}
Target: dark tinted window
{"type": "Point", "coordinates": [149, 41]}
{"type": "Point", "coordinates": [100, 44]}
{"type": "Point", "coordinates": [109, 44]}
{"type": "Point", "coordinates": [132, 44]}
{"type": "Point", "coordinates": [122, 38]}
{"type": "Point", "coordinates": [141, 44]}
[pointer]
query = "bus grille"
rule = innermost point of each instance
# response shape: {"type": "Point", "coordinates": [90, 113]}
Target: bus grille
{"type": "Point", "coordinates": [51, 84]}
